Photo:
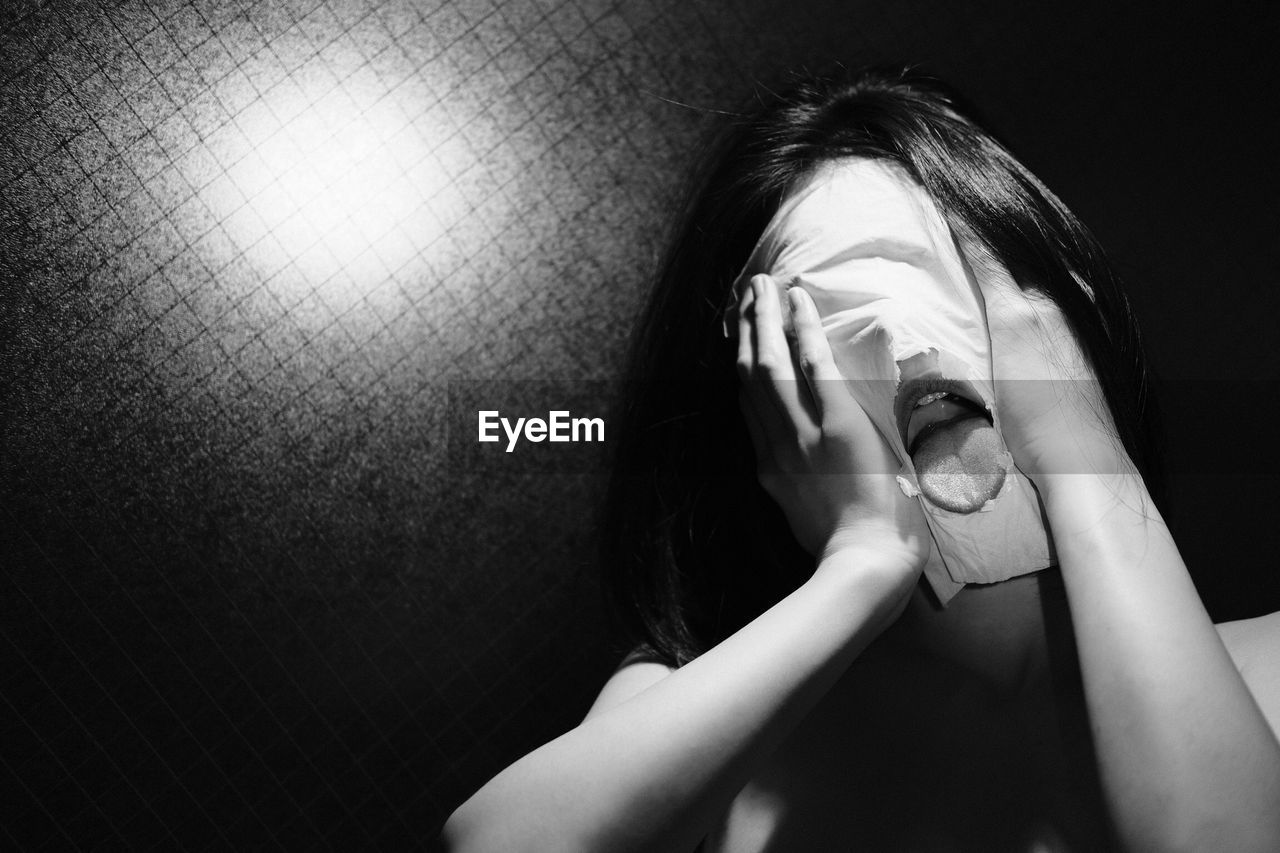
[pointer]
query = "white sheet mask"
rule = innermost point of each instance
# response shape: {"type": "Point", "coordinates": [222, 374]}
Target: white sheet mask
{"type": "Point", "coordinates": [898, 298]}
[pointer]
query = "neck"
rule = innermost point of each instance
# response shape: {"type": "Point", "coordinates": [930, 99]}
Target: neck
{"type": "Point", "coordinates": [1006, 634]}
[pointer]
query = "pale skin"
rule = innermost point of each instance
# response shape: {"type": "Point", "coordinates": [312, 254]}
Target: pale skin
{"type": "Point", "coordinates": [1183, 714]}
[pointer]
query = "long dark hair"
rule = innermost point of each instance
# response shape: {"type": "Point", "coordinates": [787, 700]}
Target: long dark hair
{"type": "Point", "coordinates": [692, 546]}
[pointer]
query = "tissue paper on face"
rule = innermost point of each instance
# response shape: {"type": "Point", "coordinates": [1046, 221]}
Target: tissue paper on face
{"type": "Point", "coordinates": [901, 306]}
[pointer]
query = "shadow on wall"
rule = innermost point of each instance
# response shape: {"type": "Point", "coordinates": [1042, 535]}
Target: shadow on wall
{"type": "Point", "coordinates": [250, 595]}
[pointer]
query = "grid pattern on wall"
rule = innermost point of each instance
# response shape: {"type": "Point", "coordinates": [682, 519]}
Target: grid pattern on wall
{"type": "Point", "coordinates": [248, 598]}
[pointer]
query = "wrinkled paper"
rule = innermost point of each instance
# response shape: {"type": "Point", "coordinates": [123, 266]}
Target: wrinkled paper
{"type": "Point", "coordinates": [898, 297]}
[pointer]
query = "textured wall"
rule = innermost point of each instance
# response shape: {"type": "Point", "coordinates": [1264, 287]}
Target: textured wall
{"type": "Point", "coordinates": [250, 595]}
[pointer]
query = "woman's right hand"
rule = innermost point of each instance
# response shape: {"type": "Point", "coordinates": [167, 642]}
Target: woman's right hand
{"type": "Point", "coordinates": [818, 454]}
{"type": "Point", "coordinates": [660, 759]}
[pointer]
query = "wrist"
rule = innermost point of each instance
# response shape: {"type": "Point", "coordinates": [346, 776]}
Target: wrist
{"type": "Point", "coordinates": [1058, 472]}
{"type": "Point", "coordinates": [872, 564]}
{"type": "Point", "coordinates": [876, 542]}
{"type": "Point", "coordinates": [1072, 490]}
{"type": "Point", "coordinates": [1098, 510]}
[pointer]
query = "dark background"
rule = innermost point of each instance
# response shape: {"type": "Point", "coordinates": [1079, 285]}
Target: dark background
{"type": "Point", "coordinates": [250, 596]}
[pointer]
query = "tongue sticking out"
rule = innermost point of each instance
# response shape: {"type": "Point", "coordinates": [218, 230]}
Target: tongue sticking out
{"type": "Point", "coordinates": [956, 454]}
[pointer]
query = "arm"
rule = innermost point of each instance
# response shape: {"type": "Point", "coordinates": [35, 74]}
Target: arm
{"type": "Point", "coordinates": [1187, 760]}
{"type": "Point", "coordinates": [656, 770]}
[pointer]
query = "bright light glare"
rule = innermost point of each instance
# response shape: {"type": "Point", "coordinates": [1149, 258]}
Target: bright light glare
{"type": "Point", "coordinates": [331, 181]}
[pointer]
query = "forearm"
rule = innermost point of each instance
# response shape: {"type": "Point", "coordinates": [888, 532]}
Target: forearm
{"type": "Point", "coordinates": [1186, 757]}
{"type": "Point", "coordinates": [655, 772]}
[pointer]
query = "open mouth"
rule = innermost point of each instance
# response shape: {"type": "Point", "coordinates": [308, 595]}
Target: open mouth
{"type": "Point", "coordinates": [929, 403]}
{"type": "Point", "coordinates": [952, 442]}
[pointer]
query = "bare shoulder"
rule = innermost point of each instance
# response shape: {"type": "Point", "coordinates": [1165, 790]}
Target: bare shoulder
{"type": "Point", "coordinates": [1254, 645]}
{"type": "Point", "coordinates": [634, 675]}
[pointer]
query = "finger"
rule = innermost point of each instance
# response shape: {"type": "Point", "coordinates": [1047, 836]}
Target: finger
{"type": "Point", "coordinates": [774, 361]}
{"type": "Point", "coordinates": [773, 355]}
{"type": "Point", "coordinates": [831, 399]}
{"type": "Point", "coordinates": [760, 412]}
{"type": "Point", "coordinates": [754, 388]}
{"type": "Point", "coordinates": [754, 383]}
{"type": "Point", "coordinates": [995, 283]}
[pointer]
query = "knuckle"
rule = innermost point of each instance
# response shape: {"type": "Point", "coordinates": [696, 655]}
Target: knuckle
{"type": "Point", "coordinates": [810, 359]}
{"type": "Point", "coordinates": [806, 439]}
{"type": "Point", "coordinates": [768, 362]}
{"type": "Point", "coordinates": [838, 430]}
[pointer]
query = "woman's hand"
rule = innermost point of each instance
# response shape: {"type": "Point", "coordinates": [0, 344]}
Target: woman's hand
{"type": "Point", "coordinates": [1052, 412]}
{"type": "Point", "coordinates": [818, 454]}
{"type": "Point", "coordinates": [1186, 759]}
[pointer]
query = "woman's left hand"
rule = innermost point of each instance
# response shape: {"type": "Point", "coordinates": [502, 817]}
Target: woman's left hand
{"type": "Point", "coordinates": [1052, 412]}
{"type": "Point", "coordinates": [1186, 759]}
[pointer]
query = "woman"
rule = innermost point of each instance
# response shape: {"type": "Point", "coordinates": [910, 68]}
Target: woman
{"type": "Point", "coordinates": [772, 704]}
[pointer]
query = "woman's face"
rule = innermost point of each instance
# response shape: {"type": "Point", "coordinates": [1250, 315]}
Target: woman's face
{"type": "Point", "coordinates": [905, 317]}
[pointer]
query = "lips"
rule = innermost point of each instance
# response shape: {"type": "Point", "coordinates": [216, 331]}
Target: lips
{"type": "Point", "coordinates": [952, 442]}
{"type": "Point", "coordinates": [927, 403]}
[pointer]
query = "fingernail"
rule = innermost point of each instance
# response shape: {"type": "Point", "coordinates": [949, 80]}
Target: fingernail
{"type": "Point", "coordinates": [801, 303]}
